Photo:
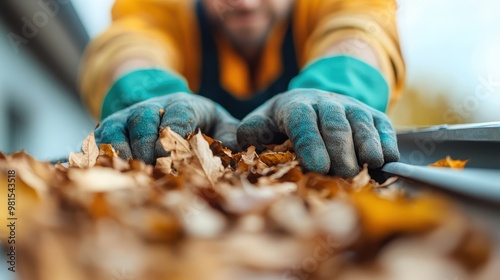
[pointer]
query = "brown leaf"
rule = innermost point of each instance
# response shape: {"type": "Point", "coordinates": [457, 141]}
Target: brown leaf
{"type": "Point", "coordinates": [272, 159]}
{"type": "Point", "coordinates": [362, 180]}
{"type": "Point", "coordinates": [249, 156]}
{"type": "Point", "coordinates": [245, 160]}
{"type": "Point", "coordinates": [88, 156]}
{"type": "Point", "coordinates": [155, 225]}
{"type": "Point", "coordinates": [108, 157]}
{"type": "Point", "coordinates": [100, 179]}
{"type": "Point", "coordinates": [282, 148]}
{"type": "Point", "coordinates": [291, 214]}
{"type": "Point", "coordinates": [293, 175]}
{"type": "Point", "coordinates": [175, 144]}
{"type": "Point", "coordinates": [164, 164]}
{"type": "Point", "coordinates": [251, 199]}
{"type": "Point", "coordinates": [338, 218]}
{"type": "Point", "coordinates": [99, 208]}
{"type": "Point", "coordinates": [141, 166]}
{"type": "Point", "coordinates": [205, 163]}
{"type": "Point", "coordinates": [382, 218]}
{"type": "Point", "coordinates": [219, 150]}
{"type": "Point", "coordinates": [450, 163]}
{"type": "Point", "coordinates": [107, 150]}
{"type": "Point", "coordinates": [39, 176]}
{"type": "Point", "coordinates": [387, 182]}
{"type": "Point", "coordinates": [325, 185]}
{"type": "Point", "coordinates": [283, 170]}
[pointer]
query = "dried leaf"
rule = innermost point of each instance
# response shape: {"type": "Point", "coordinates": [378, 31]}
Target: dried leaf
{"type": "Point", "coordinates": [100, 179]}
{"type": "Point", "coordinates": [248, 198]}
{"type": "Point", "coordinates": [272, 159]}
{"type": "Point", "coordinates": [387, 182]}
{"type": "Point", "coordinates": [392, 192]}
{"type": "Point", "coordinates": [383, 218]}
{"type": "Point", "coordinates": [291, 214]}
{"type": "Point", "coordinates": [282, 148]}
{"type": "Point", "coordinates": [88, 156]}
{"type": "Point", "coordinates": [284, 170]}
{"type": "Point", "coordinates": [205, 163]}
{"type": "Point", "coordinates": [140, 166]}
{"type": "Point", "coordinates": [249, 156]}
{"type": "Point", "coordinates": [205, 223]}
{"type": "Point", "coordinates": [360, 181]}
{"type": "Point", "coordinates": [155, 225]}
{"type": "Point", "coordinates": [327, 186]}
{"type": "Point", "coordinates": [337, 218]}
{"type": "Point", "coordinates": [175, 144]}
{"type": "Point", "coordinates": [37, 175]}
{"type": "Point", "coordinates": [107, 150]}
{"type": "Point", "coordinates": [99, 208]}
{"type": "Point", "coordinates": [450, 163]}
{"type": "Point", "coordinates": [219, 150]}
{"type": "Point", "coordinates": [164, 164]}
{"type": "Point", "coordinates": [119, 164]}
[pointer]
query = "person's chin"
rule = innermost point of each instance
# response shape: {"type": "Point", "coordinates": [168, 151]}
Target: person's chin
{"type": "Point", "coordinates": [248, 39]}
{"type": "Point", "coordinates": [249, 34]}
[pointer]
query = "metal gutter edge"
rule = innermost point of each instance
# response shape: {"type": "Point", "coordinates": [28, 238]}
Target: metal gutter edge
{"type": "Point", "coordinates": [483, 184]}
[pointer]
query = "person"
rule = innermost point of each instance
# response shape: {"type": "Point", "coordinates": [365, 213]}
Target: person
{"type": "Point", "coordinates": [319, 72]}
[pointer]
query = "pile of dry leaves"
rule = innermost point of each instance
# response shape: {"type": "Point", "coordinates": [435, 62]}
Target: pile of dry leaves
{"type": "Point", "coordinates": [206, 213]}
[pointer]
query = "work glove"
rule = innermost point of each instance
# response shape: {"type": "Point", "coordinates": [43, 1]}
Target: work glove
{"type": "Point", "coordinates": [331, 132]}
{"type": "Point", "coordinates": [163, 101]}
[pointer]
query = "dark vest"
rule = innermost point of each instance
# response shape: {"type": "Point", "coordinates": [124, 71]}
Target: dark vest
{"type": "Point", "coordinates": [210, 71]}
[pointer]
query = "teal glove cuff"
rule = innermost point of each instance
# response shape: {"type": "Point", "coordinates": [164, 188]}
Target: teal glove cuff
{"type": "Point", "coordinates": [348, 76]}
{"type": "Point", "coordinates": [138, 86]}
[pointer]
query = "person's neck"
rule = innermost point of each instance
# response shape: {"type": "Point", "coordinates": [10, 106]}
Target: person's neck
{"type": "Point", "coordinates": [250, 54]}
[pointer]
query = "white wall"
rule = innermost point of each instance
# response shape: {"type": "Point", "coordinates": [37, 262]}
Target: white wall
{"type": "Point", "coordinates": [55, 123]}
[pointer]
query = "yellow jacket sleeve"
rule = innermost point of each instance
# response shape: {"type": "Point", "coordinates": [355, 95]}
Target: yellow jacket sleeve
{"type": "Point", "coordinates": [162, 31]}
{"type": "Point", "coordinates": [321, 23]}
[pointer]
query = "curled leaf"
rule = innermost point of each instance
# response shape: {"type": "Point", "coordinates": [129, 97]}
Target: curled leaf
{"type": "Point", "coordinates": [88, 156]}
{"type": "Point", "coordinates": [175, 144]}
{"type": "Point", "coordinates": [272, 159]}
{"type": "Point", "coordinates": [450, 163]}
{"type": "Point", "coordinates": [205, 163]}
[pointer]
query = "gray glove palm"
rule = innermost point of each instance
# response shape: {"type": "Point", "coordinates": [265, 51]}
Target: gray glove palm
{"type": "Point", "coordinates": [331, 133]}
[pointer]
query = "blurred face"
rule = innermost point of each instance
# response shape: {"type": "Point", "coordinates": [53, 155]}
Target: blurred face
{"type": "Point", "coordinates": [247, 22]}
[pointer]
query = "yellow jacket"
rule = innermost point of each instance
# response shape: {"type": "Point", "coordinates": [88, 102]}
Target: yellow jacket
{"type": "Point", "coordinates": [169, 32]}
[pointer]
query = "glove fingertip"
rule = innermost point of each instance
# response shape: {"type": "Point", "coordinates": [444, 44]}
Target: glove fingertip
{"type": "Point", "coordinates": [159, 150]}
{"type": "Point", "coordinates": [316, 166]}
{"type": "Point", "coordinates": [246, 133]}
{"type": "Point", "coordinates": [259, 131]}
{"type": "Point", "coordinates": [344, 165]}
{"type": "Point", "coordinates": [347, 173]}
{"type": "Point", "coordinates": [182, 130]}
{"type": "Point", "coordinates": [315, 161]}
{"type": "Point", "coordinates": [123, 149]}
{"type": "Point", "coordinates": [391, 155]}
{"type": "Point", "coordinates": [230, 142]}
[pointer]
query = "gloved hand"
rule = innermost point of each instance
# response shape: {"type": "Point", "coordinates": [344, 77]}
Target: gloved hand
{"type": "Point", "coordinates": [330, 129]}
{"type": "Point", "coordinates": [134, 130]}
{"type": "Point", "coordinates": [331, 133]}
